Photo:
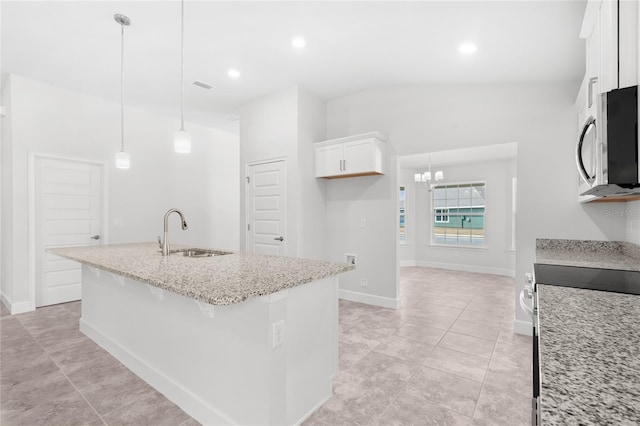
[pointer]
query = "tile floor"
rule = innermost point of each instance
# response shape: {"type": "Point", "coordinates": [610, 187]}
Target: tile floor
{"type": "Point", "coordinates": [447, 357]}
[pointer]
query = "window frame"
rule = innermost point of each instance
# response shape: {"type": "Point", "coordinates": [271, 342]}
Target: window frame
{"type": "Point", "coordinates": [432, 210]}
{"type": "Point", "coordinates": [402, 215]}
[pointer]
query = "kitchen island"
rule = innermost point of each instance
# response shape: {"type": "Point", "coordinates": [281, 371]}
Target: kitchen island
{"type": "Point", "coordinates": [234, 339]}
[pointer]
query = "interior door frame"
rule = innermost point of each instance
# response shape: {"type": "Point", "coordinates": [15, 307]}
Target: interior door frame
{"type": "Point", "coordinates": [104, 232]}
{"type": "Point", "coordinates": [247, 166]}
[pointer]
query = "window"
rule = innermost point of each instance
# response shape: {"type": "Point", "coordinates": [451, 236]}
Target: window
{"type": "Point", "coordinates": [403, 231]}
{"type": "Point", "coordinates": [442, 215]}
{"type": "Point", "coordinates": [458, 213]}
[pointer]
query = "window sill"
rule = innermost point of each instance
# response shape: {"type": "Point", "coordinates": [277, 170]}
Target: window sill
{"type": "Point", "coordinates": [451, 246]}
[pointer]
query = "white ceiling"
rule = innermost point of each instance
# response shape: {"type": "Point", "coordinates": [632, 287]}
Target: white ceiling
{"type": "Point", "coordinates": [351, 46]}
{"type": "Point", "coordinates": [478, 154]}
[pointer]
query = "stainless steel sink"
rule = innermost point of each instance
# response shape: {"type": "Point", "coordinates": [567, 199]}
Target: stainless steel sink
{"type": "Point", "coordinates": [196, 252]}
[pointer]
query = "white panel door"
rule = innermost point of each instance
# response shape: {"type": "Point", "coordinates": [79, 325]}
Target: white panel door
{"type": "Point", "coordinates": [266, 207]}
{"type": "Point", "coordinates": [68, 212]}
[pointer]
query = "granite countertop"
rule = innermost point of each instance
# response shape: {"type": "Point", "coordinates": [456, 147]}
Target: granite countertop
{"type": "Point", "coordinates": [218, 280]}
{"type": "Point", "coordinates": [589, 356]}
{"type": "Point", "coordinates": [589, 254]}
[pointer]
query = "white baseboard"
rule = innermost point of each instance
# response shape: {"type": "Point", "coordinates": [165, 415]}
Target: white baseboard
{"type": "Point", "coordinates": [369, 299]}
{"type": "Point", "coordinates": [465, 268]}
{"type": "Point", "coordinates": [185, 399]}
{"type": "Point", "coordinates": [16, 308]}
{"type": "Point", "coordinates": [407, 263]}
{"type": "Point", "coordinates": [522, 327]}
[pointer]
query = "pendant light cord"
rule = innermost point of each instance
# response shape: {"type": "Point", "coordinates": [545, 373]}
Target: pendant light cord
{"type": "Point", "coordinates": [182, 65]}
{"type": "Point", "coordinates": [122, 85]}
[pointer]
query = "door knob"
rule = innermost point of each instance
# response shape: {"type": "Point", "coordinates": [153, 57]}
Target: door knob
{"type": "Point", "coordinates": [279, 239]}
{"type": "Point", "coordinates": [95, 237]}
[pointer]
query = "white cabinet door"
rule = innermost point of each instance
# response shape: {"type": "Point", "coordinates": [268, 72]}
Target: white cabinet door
{"type": "Point", "coordinates": [593, 67]}
{"type": "Point", "coordinates": [629, 39]}
{"type": "Point", "coordinates": [329, 160]}
{"type": "Point", "coordinates": [608, 34]}
{"type": "Point", "coordinates": [358, 156]}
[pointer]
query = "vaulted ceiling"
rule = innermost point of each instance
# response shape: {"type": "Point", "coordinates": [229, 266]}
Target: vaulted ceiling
{"type": "Point", "coordinates": [351, 46]}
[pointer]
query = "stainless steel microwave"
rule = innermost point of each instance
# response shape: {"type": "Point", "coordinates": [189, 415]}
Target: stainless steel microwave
{"type": "Point", "coordinates": [607, 153]}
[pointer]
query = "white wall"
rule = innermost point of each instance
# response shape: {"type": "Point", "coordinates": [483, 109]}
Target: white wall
{"type": "Point", "coordinates": [541, 117]}
{"type": "Point", "coordinates": [373, 199]}
{"type": "Point", "coordinates": [632, 213]}
{"type": "Point", "coordinates": [496, 257]}
{"type": "Point", "coordinates": [284, 125]}
{"type": "Point", "coordinates": [6, 209]}
{"type": "Point", "coordinates": [312, 206]}
{"type": "Point", "coordinates": [53, 121]}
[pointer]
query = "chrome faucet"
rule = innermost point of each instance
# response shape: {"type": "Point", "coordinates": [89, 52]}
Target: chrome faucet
{"type": "Point", "coordinates": [165, 241]}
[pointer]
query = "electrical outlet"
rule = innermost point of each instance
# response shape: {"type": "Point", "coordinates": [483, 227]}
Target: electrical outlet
{"type": "Point", "coordinates": [364, 283]}
{"type": "Point", "coordinates": [363, 223]}
{"type": "Point", "coordinates": [278, 333]}
{"type": "Point", "coordinates": [118, 222]}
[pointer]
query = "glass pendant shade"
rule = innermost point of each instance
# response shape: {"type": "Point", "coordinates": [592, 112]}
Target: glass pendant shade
{"type": "Point", "coordinates": [123, 160]}
{"type": "Point", "coordinates": [439, 175]}
{"type": "Point", "coordinates": [182, 142]}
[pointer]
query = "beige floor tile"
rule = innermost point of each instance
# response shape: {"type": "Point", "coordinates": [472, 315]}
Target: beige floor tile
{"type": "Point", "coordinates": [475, 329]}
{"type": "Point", "coordinates": [487, 318]}
{"type": "Point", "coordinates": [68, 409]}
{"type": "Point", "coordinates": [27, 394]}
{"type": "Point", "coordinates": [116, 392]}
{"type": "Point", "coordinates": [458, 363]}
{"type": "Point", "coordinates": [412, 410]}
{"type": "Point", "coordinates": [433, 320]}
{"type": "Point", "coordinates": [513, 349]}
{"type": "Point", "coordinates": [409, 350]}
{"type": "Point", "coordinates": [448, 390]}
{"type": "Point", "coordinates": [360, 401]}
{"type": "Point", "coordinates": [151, 408]}
{"type": "Point", "coordinates": [499, 407]}
{"type": "Point", "coordinates": [349, 354]}
{"type": "Point", "coordinates": [379, 367]}
{"type": "Point", "coordinates": [379, 382]}
{"type": "Point", "coordinates": [467, 344]}
{"type": "Point", "coordinates": [420, 332]}
{"type": "Point", "coordinates": [509, 376]}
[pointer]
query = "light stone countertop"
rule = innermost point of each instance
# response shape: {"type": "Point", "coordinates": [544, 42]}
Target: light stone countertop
{"type": "Point", "coordinates": [589, 356]}
{"type": "Point", "coordinates": [217, 280]}
{"type": "Point", "coordinates": [589, 254]}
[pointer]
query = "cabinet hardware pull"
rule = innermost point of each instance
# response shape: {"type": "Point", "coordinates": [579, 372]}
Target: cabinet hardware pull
{"type": "Point", "coordinates": [592, 81]}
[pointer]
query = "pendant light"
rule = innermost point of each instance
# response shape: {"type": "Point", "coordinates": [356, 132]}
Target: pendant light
{"type": "Point", "coordinates": [182, 138]}
{"type": "Point", "coordinates": [123, 159]}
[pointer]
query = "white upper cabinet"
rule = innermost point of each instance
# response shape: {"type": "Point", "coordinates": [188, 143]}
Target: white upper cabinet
{"type": "Point", "coordinates": [610, 28]}
{"type": "Point", "coordinates": [359, 155]}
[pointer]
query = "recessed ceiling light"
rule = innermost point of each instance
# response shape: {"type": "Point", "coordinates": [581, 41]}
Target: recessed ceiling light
{"type": "Point", "coordinates": [298, 42]}
{"type": "Point", "coordinates": [233, 73]}
{"type": "Point", "coordinates": [467, 48]}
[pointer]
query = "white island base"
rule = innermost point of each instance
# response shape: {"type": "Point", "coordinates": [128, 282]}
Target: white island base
{"type": "Point", "coordinates": [219, 363]}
